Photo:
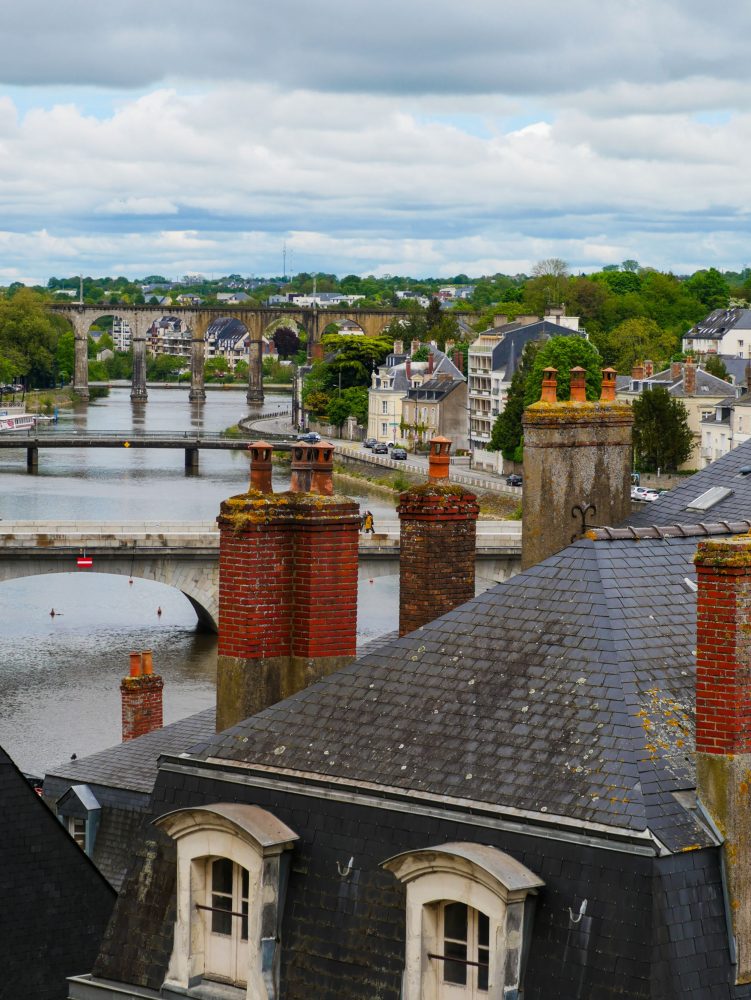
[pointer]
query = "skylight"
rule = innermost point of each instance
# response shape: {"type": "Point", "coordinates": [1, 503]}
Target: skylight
{"type": "Point", "coordinates": [707, 500]}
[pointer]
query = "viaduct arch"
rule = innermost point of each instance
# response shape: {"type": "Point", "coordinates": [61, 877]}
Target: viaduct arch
{"type": "Point", "coordinates": [197, 319]}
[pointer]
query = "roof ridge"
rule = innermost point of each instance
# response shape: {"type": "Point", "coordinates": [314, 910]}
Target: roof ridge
{"type": "Point", "coordinates": [700, 529]}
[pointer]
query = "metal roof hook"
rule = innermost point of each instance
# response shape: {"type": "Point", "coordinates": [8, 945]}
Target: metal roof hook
{"type": "Point", "coordinates": [344, 872]}
{"type": "Point", "coordinates": [582, 911]}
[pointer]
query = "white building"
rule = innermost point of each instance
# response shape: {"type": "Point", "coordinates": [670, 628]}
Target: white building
{"type": "Point", "coordinates": [724, 331]}
{"type": "Point", "coordinates": [120, 334]}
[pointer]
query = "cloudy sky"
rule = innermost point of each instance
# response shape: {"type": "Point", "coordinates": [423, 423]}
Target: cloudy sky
{"type": "Point", "coordinates": [415, 137]}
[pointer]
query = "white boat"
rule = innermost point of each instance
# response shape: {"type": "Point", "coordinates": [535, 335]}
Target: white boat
{"type": "Point", "coordinates": [15, 418]}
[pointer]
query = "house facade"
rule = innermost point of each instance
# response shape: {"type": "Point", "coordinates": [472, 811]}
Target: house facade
{"type": "Point", "coordinates": [724, 331]}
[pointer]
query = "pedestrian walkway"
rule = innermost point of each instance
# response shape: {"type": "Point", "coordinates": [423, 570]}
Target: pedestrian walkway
{"type": "Point", "coordinates": [281, 427]}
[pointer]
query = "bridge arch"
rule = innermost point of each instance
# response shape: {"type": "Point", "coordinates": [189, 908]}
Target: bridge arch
{"type": "Point", "coordinates": [198, 582]}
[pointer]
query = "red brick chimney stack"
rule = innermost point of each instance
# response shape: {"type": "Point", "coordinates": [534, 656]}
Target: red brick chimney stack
{"type": "Point", "coordinates": [288, 567]}
{"type": "Point", "coordinates": [637, 372]}
{"type": "Point", "coordinates": [430, 363]}
{"type": "Point", "coordinates": [689, 377]}
{"type": "Point", "coordinates": [459, 361]}
{"type": "Point", "coordinates": [578, 385]}
{"type": "Point", "coordinates": [723, 716]}
{"type": "Point", "coordinates": [141, 697]}
{"type": "Point", "coordinates": [408, 369]}
{"type": "Point", "coordinates": [437, 522]}
{"type": "Point", "coordinates": [676, 370]}
{"type": "Point", "coordinates": [260, 467]}
{"type": "Point", "coordinates": [549, 385]}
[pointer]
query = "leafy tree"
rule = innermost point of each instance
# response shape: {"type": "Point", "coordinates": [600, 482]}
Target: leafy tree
{"type": "Point", "coordinates": [630, 265]}
{"type": "Point", "coordinates": [549, 279]}
{"type": "Point", "coordinates": [65, 355]}
{"type": "Point", "coordinates": [565, 353]}
{"type": "Point", "coordinates": [354, 359]}
{"type": "Point", "coordinates": [662, 438]}
{"type": "Point", "coordinates": [716, 366]}
{"type": "Point", "coordinates": [710, 288]}
{"type": "Point", "coordinates": [216, 367]}
{"type": "Point", "coordinates": [634, 340]}
{"type": "Point", "coordinates": [422, 353]}
{"type": "Point", "coordinates": [286, 341]}
{"type": "Point", "coordinates": [29, 335]}
{"type": "Point", "coordinates": [506, 435]}
{"type": "Point", "coordinates": [318, 402]}
{"type": "Point", "coordinates": [338, 411]}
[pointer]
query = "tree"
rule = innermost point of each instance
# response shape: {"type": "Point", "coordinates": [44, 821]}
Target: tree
{"type": "Point", "coordinates": [506, 435]}
{"type": "Point", "coordinates": [354, 360]}
{"type": "Point", "coordinates": [563, 354]}
{"type": "Point", "coordinates": [710, 288]}
{"type": "Point", "coordinates": [630, 265]}
{"type": "Point", "coordinates": [716, 366]}
{"type": "Point", "coordinates": [286, 342]}
{"type": "Point", "coordinates": [548, 282]}
{"type": "Point", "coordinates": [634, 340]}
{"type": "Point", "coordinates": [662, 438]}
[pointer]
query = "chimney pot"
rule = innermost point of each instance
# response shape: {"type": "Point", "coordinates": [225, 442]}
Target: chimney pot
{"type": "Point", "coordinates": [637, 372]}
{"type": "Point", "coordinates": [430, 363]}
{"type": "Point", "coordinates": [135, 664]}
{"type": "Point", "coordinates": [415, 346]}
{"type": "Point", "coordinates": [607, 394]}
{"type": "Point", "coordinates": [147, 659]}
{"type": "Point", "coordinates": [676, 370]}
{"type": "Point", "coordinates": [322, 469]}
{"type": "Point", "coordinates": [260, 467]}
{"type": "Point", "coordinates": [578, 385]}
{"type": "Point", "coordinates": [439, 459]}
{"type": "Point", "coordinates": [689, 377]}
{"type": "Point", "coordinates": [549, 385]}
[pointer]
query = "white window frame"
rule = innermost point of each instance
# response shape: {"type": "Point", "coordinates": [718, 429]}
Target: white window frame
{"type": "Point", "coordinates": [252, 838]}
{"type": "Point", "coordinates": [483, 878]}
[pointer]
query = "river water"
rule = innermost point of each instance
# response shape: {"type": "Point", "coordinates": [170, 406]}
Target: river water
{"type": "Point", "coordinates": [59, 677]}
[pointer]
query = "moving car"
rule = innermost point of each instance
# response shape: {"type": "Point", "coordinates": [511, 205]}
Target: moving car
{"type": "Point", "coordinates": [379, 448]}
{"type": "Point", "coordinates": [514, 480]}
{"type": "Point", "coordinates": [369, 442]}
{"type": "Point", "coordinates": [399, 454]}
{"type": "Point", "coordinates": [312, 437]}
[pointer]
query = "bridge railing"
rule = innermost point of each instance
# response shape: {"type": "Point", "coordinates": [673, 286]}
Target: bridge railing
{"type": "Point", "coordinates": [41, 433]}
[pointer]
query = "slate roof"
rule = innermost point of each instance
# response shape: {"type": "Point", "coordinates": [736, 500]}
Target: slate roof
{"type": "Point", "coordinates": [567, 690]}
{"type": "Point", "coordinates": [55, 904]}
{"type": "Point", "coordinates": [718, 323]}
{"type": "Point", "coordinates": [673, 507]}
{"type": "Point", "coordinates": [706, 384]}
{"type": "Point", "coordinates": [133, 765]}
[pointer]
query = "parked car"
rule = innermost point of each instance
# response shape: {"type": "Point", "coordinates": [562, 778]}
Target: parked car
{"type": "Point", "coordinates": [514, 480]}
{"type": "Point", "coordinates": [379, 448]}
{"type": "Point", "coordinates": [312, 437]}
{"type": "Point", "coordinates": [399, 454]}
{"type": "Point", "coordinates": [643, 493]}
{"type": "Point", "coordinates": [369, 443]}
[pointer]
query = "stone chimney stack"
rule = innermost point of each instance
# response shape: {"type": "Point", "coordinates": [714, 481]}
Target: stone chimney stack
{"type": "Point", "coordinates": [414, 347]}
{"type": "Point", "coordinates": [431, 361]}
{"type": "Point", "coordinates": [723, 717]}
{"type": "Point", "coordinates": [576, 454]}
{"type": "Point", "coordinates": [676, 370]}
{"type": "Point", "coordinates": [649, 369]}
{"type": "Point", "coordinates": [689, 377]}
{"type": "Point", "coordinates": [141, 697]}
{"type": "Point", "coordinates": [398, 347]}
{"type": "Point", "coordinates": [260, 467]}
{"type": "Point", "coordinates": [288, 566]}
{"type": "Point", "coordinates": [437, 522]}
{"type": "Point", "coordinates": [637, 372]}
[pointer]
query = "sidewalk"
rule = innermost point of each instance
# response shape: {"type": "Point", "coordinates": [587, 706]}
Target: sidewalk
{"type": "Point", "coordinates": [282, 427]}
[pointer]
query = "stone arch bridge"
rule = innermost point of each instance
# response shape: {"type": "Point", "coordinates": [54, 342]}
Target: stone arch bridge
{"type": "Point", "coordinates": [185, 554]}
{"type": "Point", "coordinates": [257, 320]}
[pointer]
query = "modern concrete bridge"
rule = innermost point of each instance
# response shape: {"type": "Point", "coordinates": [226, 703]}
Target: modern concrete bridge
{"type": "Point", "coordinates": [197, 320]}
{"type": "Point", "coordinates": [185, 554]}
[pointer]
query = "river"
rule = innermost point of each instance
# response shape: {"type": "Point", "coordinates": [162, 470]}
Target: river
{"type": "Point", "coordinates": [59, 677]}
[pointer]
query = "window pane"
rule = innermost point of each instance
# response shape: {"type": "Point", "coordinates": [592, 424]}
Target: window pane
{"type": "Point", "coordinates": [483, 957]}
{"type": "Point", "coordinates": [245, 882]}
{"type": "Point", "coordinates": [454, 972]}
{"type": "Point", "coordinates": [483, 929]}
{"type": "Point", "coordinates": [221, 923]}
{"type": "Point", "coordinates": [221, 875]}
{"type": "Point", "coordinates": [244, 921]}
{"type": "Point", "coordinates": [455, 921]}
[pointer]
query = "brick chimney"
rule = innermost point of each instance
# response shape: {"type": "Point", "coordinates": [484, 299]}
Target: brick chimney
{"type": "Point", "coordinates": [689, 377]}
{"type": "Point", "coordinates": [576, 453]}
{"type": "Point", "coordinates": [649, 369]}
{"type": "Point", "coordinates": [437, 520]}
{"type": "Point", "coordinates": [748, 376]}
{"type": "Point", "coordinates": [408, 369]}
{"type": "Point", "coordinates": [260, 467]}
{"type": "Point", "coordinates": [637, 372]}
{"type": "Point", "coordinates": [431, 361]}
{"type": "Point", "coordinates": [723, 717]}
{"type": "Point", "coordinates": [141, 697]}
{"type": "Point", "coordinates": [676, 370]}
{"type": "Point", "coordinates": [459, 361]}
{"type": "Point", "coordinates": [288, 566]}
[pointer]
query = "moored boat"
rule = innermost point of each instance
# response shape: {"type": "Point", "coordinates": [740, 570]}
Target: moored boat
{"type": "Point", "coordinates": [15, 418]}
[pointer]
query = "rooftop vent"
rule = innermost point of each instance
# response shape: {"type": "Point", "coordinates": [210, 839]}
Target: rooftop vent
{"type": "Point", "coordinates": [707, 500]}
{"type": "Point", "coordinates": [745, 471]}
